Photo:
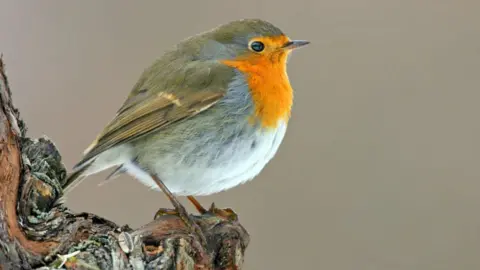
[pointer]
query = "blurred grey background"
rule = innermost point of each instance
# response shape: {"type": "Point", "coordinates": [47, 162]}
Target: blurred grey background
{"type": "Point", "coordinates": [379, 169]}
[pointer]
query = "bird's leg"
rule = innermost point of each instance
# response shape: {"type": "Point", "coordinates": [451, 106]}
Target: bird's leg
{"type": "Point", "coordinates": [179, 211]}
{"type": "Point", "coordinates": [197, 205]}
{"type": "Point", "coordinates": [226, 213]}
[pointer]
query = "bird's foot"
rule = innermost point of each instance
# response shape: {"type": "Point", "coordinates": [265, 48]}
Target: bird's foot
{"type": "Point", "coordinates": [166, 212]}
{"type": "Point", "coordinates": [179, 211]}
{"type": "Point", "coordinates": [187, 220]}
{"type": "Point", "coordinates": [226, 213]}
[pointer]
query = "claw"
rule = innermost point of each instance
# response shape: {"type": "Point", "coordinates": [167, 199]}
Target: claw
{"type": "Point", "coordinates": [165, 212]}
{"type": "Point", "coordinates": [226, 213]}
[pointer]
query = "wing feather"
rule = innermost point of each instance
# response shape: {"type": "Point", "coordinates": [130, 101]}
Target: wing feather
{"type": "Point", "coordinates": [150, 109]}
{"type": "Point", "coordinates": [150, 116]}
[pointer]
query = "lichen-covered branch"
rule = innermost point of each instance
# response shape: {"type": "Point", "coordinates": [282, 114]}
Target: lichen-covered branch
{"type": "Point", "coordinates": [36, 233]}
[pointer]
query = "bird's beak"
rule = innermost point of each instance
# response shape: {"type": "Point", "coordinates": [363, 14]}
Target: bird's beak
{"type": "Point", "coordinates": [294, 44]}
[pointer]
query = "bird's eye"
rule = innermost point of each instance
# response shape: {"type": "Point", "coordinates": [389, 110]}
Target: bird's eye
{"type": "Point", "coordinates": [257, 46]}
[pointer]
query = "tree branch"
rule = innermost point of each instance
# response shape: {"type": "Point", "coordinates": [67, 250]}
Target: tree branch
{"type": "Point", "coordinates": [36, 234]}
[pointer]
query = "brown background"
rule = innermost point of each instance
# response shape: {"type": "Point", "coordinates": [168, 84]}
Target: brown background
{"type": "Point", "coordinates": [379, 169]}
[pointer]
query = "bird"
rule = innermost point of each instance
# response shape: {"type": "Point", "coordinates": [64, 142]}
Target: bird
{"type": "Point", "coordinates": [206, 116]}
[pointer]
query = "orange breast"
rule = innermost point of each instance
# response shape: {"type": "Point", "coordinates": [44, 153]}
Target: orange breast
{"type": "Point", "coordinates": [269, 86]}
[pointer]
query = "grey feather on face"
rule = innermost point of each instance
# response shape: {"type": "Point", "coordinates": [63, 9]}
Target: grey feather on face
{"type": "Point", "coordinates": [213, 50]}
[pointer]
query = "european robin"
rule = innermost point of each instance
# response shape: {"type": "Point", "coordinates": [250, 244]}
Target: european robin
{"type": "Point", "coordinates": [206, 116]}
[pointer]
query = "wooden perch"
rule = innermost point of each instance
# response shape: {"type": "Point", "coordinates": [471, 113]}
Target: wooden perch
{"type": "Point", "coordinates": [36, 234]}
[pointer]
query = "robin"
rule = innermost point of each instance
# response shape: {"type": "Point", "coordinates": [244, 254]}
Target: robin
{"type": "Point", "coordinates": [205, 117]}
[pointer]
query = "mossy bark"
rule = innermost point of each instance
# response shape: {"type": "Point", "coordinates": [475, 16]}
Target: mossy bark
{"type": "Point", "coordinates": [36, 233]}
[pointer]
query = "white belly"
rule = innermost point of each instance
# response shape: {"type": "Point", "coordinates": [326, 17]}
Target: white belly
{"type": "Point", "coordinates": [213, 171]}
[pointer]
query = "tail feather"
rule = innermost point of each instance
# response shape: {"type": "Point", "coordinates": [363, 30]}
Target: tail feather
{"type": "Point", "coordinates": [74, 178]}
{"type": "Point", "coordinates": [116, 173]}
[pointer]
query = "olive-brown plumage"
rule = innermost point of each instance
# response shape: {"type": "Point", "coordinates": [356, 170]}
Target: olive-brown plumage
{"type": "Point", "coordinates": [206, 116]}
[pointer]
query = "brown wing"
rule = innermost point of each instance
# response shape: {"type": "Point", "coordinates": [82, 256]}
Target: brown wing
{"type": "Point", "coordinates": [162, 96]}
{"type": "Point", "coordinates": [153, 113]}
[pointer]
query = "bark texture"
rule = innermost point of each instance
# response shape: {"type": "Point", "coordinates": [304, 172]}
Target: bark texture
{"type": "Point", "coordinates": [37, 234]}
